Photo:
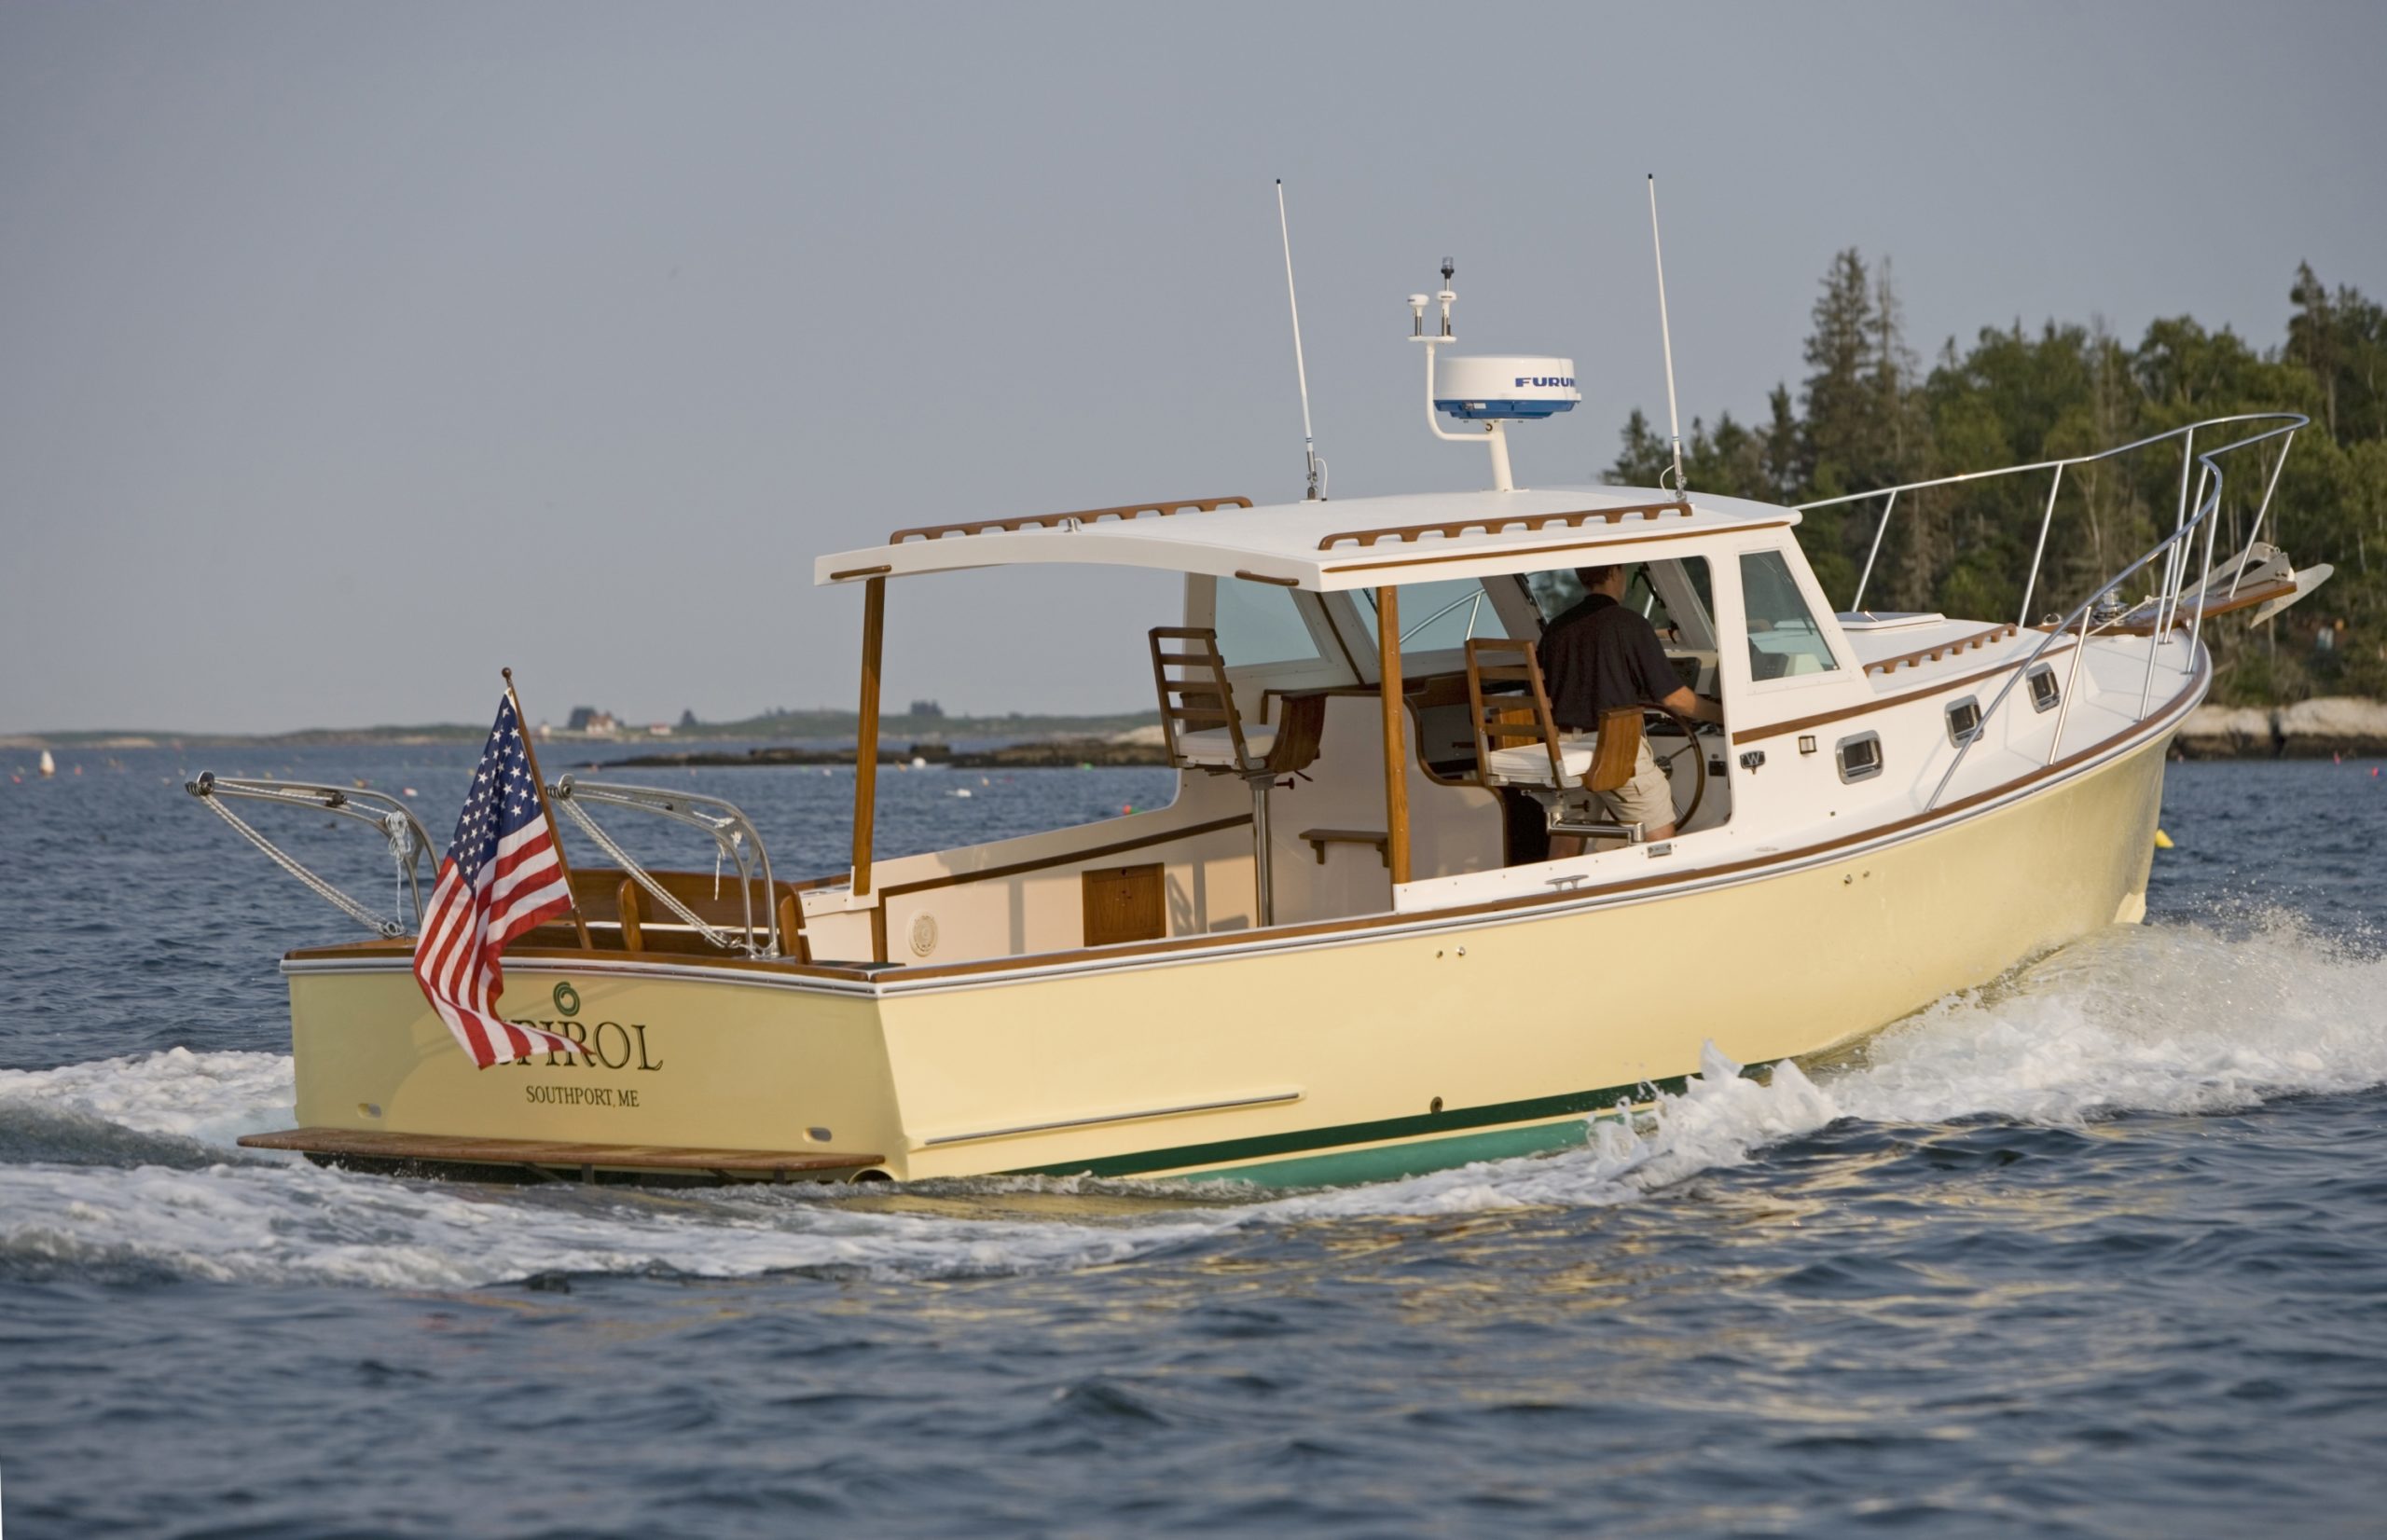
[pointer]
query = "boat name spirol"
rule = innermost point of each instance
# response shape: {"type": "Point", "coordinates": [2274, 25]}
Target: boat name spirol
{"type": "Point", "coordinates": [609, 1043]}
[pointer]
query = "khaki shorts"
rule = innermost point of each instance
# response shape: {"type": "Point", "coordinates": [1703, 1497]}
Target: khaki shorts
{"type": "Point", "coordinates": [1648, 799]}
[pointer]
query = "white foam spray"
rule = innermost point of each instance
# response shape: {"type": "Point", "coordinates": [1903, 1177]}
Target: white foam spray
{"type": "Point", "coordinates": [210, 1097]}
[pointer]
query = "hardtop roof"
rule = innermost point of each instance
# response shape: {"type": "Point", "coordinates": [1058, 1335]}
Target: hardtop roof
{"type": "Point", "coordinates": [1350, 542]}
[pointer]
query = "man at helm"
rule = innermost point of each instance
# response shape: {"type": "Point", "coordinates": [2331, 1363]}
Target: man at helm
{"type": "Point", "coordinates": [1602, 656]}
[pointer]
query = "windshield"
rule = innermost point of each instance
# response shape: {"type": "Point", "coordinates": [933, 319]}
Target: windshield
{"type": "Point", "coordinates": [1783, 638]}
{"type": "Point", "coordinates": [1559, 590]}
{"type": "Point", "coordinates": [1438, 616]}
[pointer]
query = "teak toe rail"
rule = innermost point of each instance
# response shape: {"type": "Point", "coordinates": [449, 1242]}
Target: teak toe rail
{"type": "Point", "coordinates": [1055, 521]}
{"type": "Point", "coordinates": [1502, 523]}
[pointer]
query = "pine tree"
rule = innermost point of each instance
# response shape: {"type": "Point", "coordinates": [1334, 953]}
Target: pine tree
{"type": "Point", "coordinates": [1785, 465]}
{"type": "Point", "coordinates": [1891, 376]}
{"type": "Point", "coordinates": [2312, 338]}
{"type": "Point", "coordinates": [1645, 457]}
{"type": "Point", "coordinates": [1840, 400]}
{"type": "Point", "coordinates": [2341, 339]}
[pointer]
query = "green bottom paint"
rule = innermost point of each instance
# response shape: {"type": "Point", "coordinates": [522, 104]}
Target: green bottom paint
{"type": "Point", "coordinates": [1384, 1162]}
{"type": "Point", "coordinates": [1320, 1157]}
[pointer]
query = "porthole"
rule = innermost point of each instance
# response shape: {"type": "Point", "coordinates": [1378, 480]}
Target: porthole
{"type": "Point", "coordinates": [1964, 721]}
{"type": "Point", "coordinates": [2045, 692]}
{"type": "Point", "coordinates": [1860, 757]}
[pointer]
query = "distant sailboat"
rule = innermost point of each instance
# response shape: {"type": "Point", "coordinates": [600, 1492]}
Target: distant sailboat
{"type": "Point", "coordinates": [48, 765]}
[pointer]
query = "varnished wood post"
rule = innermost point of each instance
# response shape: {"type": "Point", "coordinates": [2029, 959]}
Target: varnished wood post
{"type": "Point", "coordinates": [632, 915]}
{"type": "Point", "coordinates": [874, 636]}
{"type": "Point", "coordinates": [791, 942]}
{"type": "Point", "coordinates": [1396, 758]}
{"type": "Point", "coordinates": [554, 830]}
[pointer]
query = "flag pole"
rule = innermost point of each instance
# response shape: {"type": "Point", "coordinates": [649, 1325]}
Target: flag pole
{"type": "Point", "coordinates": [555, 833]}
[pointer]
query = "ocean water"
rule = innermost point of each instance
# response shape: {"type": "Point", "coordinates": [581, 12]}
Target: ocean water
{"type": "Point", "coordinates": [2098, 1250]}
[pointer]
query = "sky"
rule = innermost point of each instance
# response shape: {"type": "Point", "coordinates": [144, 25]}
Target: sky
{"type": "Point", "coordinates": [348, 352]}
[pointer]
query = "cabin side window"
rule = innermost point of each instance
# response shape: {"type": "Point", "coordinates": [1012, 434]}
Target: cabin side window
{"type": "Point", "coordinates": [2045, 692]}
{"type": "Point", "coordinates": [1860, 757]}
{"type": "Point", "coordinates": [1260, 624]}
{"type": "Point", "coordinates": [1784, 638]}
{"type": "Point", "coordinates": [1964, 721]}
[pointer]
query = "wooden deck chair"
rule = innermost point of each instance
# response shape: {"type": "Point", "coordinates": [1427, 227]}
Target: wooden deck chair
{"type": "Point", "coordinates": [1197, 713]}
{"type": "Point", "coordinates": [1516, 740]}
{"type": "Point", "coordinates": [1616, 750]}
{"type": "Point", "coordinates": [1203, 732]}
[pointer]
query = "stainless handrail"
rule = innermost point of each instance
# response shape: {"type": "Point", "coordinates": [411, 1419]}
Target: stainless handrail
{"type": "Point", "coordinates": [2173, 548]}
{"type": "Point", "coordinates": [409, 843]}
{"type": "Point", "coordinates": [726, 825]}
{"type": "Point", "coordinates": [1890, 494]}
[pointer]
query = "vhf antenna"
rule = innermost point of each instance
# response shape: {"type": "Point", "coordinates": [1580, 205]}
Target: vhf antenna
{"type": "Point", "coordinates": [1666, 335]}
{"type": "Point", "coordinates": [1301, 370]}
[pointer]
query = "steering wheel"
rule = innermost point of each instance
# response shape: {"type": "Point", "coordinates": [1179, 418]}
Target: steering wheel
{"type": "Point", "coordinates": [1664, 716]}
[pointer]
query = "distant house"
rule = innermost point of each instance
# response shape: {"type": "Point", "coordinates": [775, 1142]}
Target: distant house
{"type": "Point", "coordinates": [658, 729]}
{"type": "Point", "coordinates": [925, 708]}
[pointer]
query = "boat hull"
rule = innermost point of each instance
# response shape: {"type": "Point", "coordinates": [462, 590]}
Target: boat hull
{"type": "Point", "coordinates": [1349, 1054]}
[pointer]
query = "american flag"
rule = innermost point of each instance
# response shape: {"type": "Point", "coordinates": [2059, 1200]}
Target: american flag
{"type": "Point", "coordinates": [498, 879]}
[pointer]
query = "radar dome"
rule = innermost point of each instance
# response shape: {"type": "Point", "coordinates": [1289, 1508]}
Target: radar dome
{"type": "Point", "coordinates": [1504, 385]}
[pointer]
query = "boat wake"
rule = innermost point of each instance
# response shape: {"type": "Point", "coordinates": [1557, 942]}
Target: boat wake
{"type": "Point", "coordinates": [125, 1168]}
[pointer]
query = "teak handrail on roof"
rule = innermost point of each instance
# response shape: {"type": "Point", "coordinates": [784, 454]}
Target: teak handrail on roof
{"type": "Point", "coordinates": [1084, 516]}
{"type": "Point", "coordinates": [1948, 649]}
{"type": "Point", "coordinates": [1498, 523]}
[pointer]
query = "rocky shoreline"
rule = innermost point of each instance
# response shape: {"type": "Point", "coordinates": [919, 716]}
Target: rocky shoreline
{"type": "Point", "coordinates": [2350, 726]}
{"type": "Point", "coordinates": [1034, 754]}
